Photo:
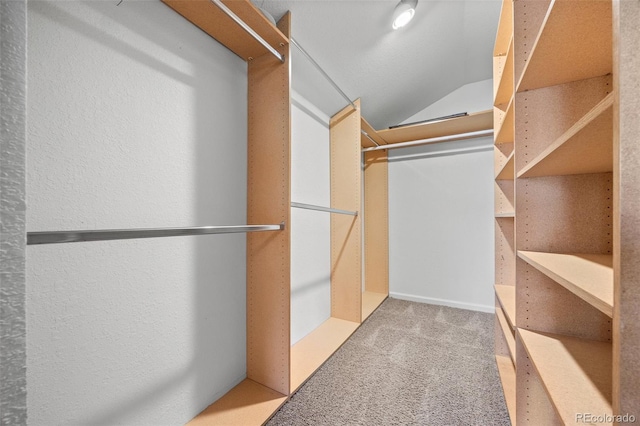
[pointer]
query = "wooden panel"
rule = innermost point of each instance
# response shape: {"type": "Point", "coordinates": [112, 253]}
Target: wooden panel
{"type": "Point", "coordinates": [314, 349]}
{"type": "Point", "coordinates": [546, 306]}
{"type": "Point", "coordinates": [533, 407]}
{"type": "Point", "coordinates": [544, 115]}
{"type": "Point", "coordinates": [505, 251]}
{"type": "Point", "coordinates": [501, 154]}
{"type": "Point", "coordinates": [269, 201]}
{"type": "Point", "coordinates": [590, 141]}
{"type": "Point", "coordinates": [247, 404]}
{"type": "Point", "coordinates": [528, 16]}
{"type": "Point", "coordinates": [376, 222]}
{"type": "Point", "coordinates": [507, 172]}
{"type": "Point", "coordinates": [370, 302]}
{"type": "Point", "coordinates": [475, 121]}
{"type": "Point", "coordinates": [508, 380]}
{"type": "Point", "coordinates": [503, 197]}
{"type": "Point", "coordinates": [507, 297]}
{"type": "Point", "coordinates": [346, 188]}
{"type": "Point", "coordinates": [627, 208]}
{"type": "Point", "coordinates": [589, 276]}
{"type": "Point", "coordinates": [574, 44]}
{"type": "Point", "coordinates": [372, 133]}
{"type": "Point", "coordinates": [507, 332]}
{"type": "Point", "coordinates": [504, 130]}
{"type": "Point", "coordinates": [505, 29]}
{"type": "Point", "coordinates": [500, 342]}
{"type": "Point", "coordinates": [576, 373]}
{"type": "Point", "coordinates": [209, 18]}
{"type": "Point", "coordinates": [504, 91]}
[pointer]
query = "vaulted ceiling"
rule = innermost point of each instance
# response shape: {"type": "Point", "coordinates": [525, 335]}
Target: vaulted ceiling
{"type": "Point", "coordinates": [396, 73]}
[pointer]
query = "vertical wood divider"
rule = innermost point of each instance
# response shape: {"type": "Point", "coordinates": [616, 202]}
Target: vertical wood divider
{"type": "Point", "coordinates": [268, 201]}
{"type": "Point", "coordinates": [346, 194]}
{"type": "Point", "coordinates": [376, 223]}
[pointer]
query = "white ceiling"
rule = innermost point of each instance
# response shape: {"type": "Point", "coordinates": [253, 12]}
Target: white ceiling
{"type": "Point", "coordinates": [395, 73]}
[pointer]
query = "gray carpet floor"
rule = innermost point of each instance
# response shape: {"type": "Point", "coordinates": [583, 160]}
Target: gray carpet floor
{"type": "Point", "coordinates": [408, 364]}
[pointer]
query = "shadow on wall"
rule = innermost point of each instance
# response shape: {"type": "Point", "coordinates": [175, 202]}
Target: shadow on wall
{"type": "Point", "coordinates": [212, 351]}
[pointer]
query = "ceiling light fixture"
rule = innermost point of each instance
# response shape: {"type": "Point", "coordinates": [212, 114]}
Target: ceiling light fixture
{"type": "Point", "coordinates": [403, 13]}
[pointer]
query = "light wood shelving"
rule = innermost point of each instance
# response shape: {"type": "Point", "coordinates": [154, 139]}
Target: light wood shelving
{"type": "Point", "coordinates": [508, 333]}
{"type": "Point", "coordinates": [576, 373]}
{"type": "Point", "coordinates": [507, 296]}
{"type": "Point", "coordinates": [507, 374]}
{"type": "Point", "coordinates": [504, 67]}
{"type": "Point", "coordinates": [507, 171]}
{"type": "Point", "coordinates": [589, 276]}
{"type": "Point", "coordinates": [370, 302]}
{"type": "Point", "coordinates": [504, 128]}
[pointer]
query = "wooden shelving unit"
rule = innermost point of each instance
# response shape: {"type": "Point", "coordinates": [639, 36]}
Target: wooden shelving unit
{"type": "Point", "coordinates": [508, 333]}
{"type": "Point", "coordinates": [557, 278]}
{"type": "Point", "coordinates": [507, 374]}
{"type": "Point", "coordinates": [504, 79]}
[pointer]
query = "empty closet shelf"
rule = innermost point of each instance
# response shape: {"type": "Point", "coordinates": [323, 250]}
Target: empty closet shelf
{"type": "Point", "coordinates": [323, 209]}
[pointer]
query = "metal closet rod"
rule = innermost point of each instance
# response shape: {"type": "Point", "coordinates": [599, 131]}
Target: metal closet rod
{"type": "Point", "coordinates": [322, 209]}
{"type": "Point", "coordinates": [333, 83]}
{"type": "Point", "coordinates": [369, 137]}
{"type": "Point", "coordinates": [456, 137]}
{"type": "Point", "coordinates": [248, 29]}
{"type": "Point", "coordinates": [55, 237]}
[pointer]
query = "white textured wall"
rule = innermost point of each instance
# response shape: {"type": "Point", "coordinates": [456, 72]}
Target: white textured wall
{"type": "Point", "coordinates": [136, 119]}
{"type": "Point", "coordinates": [469, 98]}
{"type": "Point", "coordinates": [441, 242]}
{"type": "Point", "coordinates": [310, 230]}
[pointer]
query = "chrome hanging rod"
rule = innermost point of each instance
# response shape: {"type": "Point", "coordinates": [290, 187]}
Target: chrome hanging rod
{"type": "Point", "coordinates": [322, 209]}
{"type": "Point", "coordinates": [248, 29]}
{"type": "Point", "coordinates": [55, 237]}
{"type": "Point", "coordinates": [459, 136]}
{"type": "Point", "coordinates": [369, 137]}
{"type": "Point", "coordinates": [333, 83]}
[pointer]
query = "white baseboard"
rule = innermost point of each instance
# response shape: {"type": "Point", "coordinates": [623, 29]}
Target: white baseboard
{"type": "Point", "coordinates": [444, 302]}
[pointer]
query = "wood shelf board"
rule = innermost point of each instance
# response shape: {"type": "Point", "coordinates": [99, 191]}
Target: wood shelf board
{"type": "Point", "coordinates": [508, 170]}
{"type": "Point", "coordinates": [505, 29]}
{"type": "Point", "coordinates": [589, 276]}
{"type": "Point", "coordinates": [502, 215]}
{"type": "Point", "coordinates": [370, 302]}
{"type": "Point", "coordinates": [576, 373]}
{"type": "Point", "coordinates": [376, 227]}
{"type": "Point", "coordinates": [507, 296]}
{"type": "Point", "coordinates": [574, 43]}
{"type": "Point", "coordinates": [249, 403]}
{"type": "Point", "coordinates": [473, 122]}
{"type": "Point", "coordinates": [590, 140]}
{"type": "Point", "coordinates": [308, 354]}
{"type": "Point", "coordinates": [504, 90]}
{"type": "Point", "coordinates": [504, 196]}
{"type": "Point", "coordinates": [373, 133]}
{"type": "Point", "coordinates": [508, 333]}
{"type": "Point", "coordinates": [505, 130]}
{"type": "Point", "coordinates": [209, 18]}
{"type": "Point", "coordinates": [507, 375]}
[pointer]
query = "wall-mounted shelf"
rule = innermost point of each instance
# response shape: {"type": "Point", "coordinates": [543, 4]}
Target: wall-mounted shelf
{"type": "Point", "coordinates": [507, 374]}
{"type": "Point", "coordinates": [473, 122]}
{"type": "Point", "coordinates": [574, 43]}
{"type": "Point", "coordinates": [590, 139]}
{"type": "Point", "coordinates": [504, 89]}
{"type": "Point", "coordinates": [507, 172]}
{"type": "Point", "coordinates": [507, 297]}
{"type": "Point", "coordinates": [505, 215]}
{"type": "Point", "coordinates": [508, 333]}
{"type": "Point", "coordinates": [504, 129]}
{"type": "Point", "coordinates": [576, 373]}
{"type": "Point", "coordinates": [589, 276]}
{"type": "Point", "coordinates": [369, 131]}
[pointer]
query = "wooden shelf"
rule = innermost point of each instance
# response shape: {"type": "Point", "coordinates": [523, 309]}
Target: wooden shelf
{"type": "Point", "coordinates": [209, 18]}
{"type": "Point", "coordinates": [314, 349]}
{"type": "Point", "coordinates": [504, 90]}
{"type": "Point", "coordinates": [505, 29]}
{"type": "Point", "coordinates": [588, 276]}
{"type": "Point", "coordinates": [507, 332]}
{"type": "Point", "coordinates": [576, 373]}
{"type": "Point", "coordinates": [507, 296]}
{"type": "Point", "coordinates": [590, 140]}
{"type": "Point", "coordinates": [505, 214]}
{"type": "Point", "coordinates": [507, 172]}
{"type": "Point", "coordinates": [249, 403]}
{"type": "Point", "coordinates": [370, 302]}
{"type": "Point", "coordinates": [473, 122]}
{"type": "Point", "coordinates": [365, 142]}
{"type": "Point", "coordinates": [504, 131]}
{"type": "Point", "coordinates": [508, 379]}
{"type": "Point", "coordinates": [574, 43]}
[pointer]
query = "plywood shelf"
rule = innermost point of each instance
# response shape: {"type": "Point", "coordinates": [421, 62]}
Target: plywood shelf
{"type": "Point", "coordinates": [373, 134]}
{"type": "Point", "coordinates": [209, 18]}
{"type": "Point", "coordinates": [507, 374]}
{"type": "Point", "coordinates": [589, 276]}
{"type": "Point", "coordinates": [505, 215]}
{"type": "Point", "coordinates": [473, 122]}
{"type": "Point", "coordinates": [314, 349]}
{"type": "Point", "coordinates": [576, 373]}
{"type": "Point", "coordinates": [507, 172]}
{"type": "Point", "coordinates": [574, 43]}
{"type": "Point", "coordinates": [504, 90]}
{"type": "Point", "coordinates": [249, 403]}
{"type": "Point", "coordinates": [505, 29]}
{"type": "Point", "coordinates": [507, 297]}
{"type": "Point", "coordinates": [507, 332]}
{"type": "Point", "coordinates": [590, 140]}
{"type": "Point", "coordinates": [504, 130]}
{"type": "Point", "coordinates": [370, 302]}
